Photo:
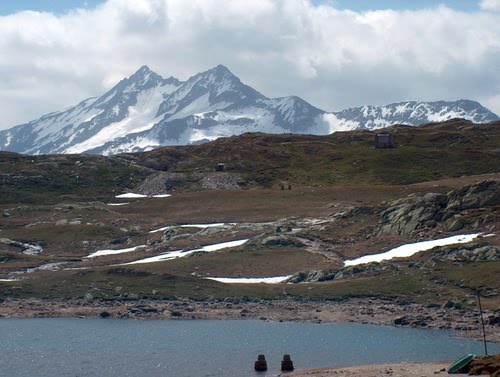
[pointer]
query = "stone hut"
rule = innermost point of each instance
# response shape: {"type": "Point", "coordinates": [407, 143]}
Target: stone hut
{"type": "Point", "coordinates": [384, 141]}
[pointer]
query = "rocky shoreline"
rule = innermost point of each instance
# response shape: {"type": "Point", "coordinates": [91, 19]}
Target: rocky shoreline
{"type": "Point", "coordinates": [370, 311]}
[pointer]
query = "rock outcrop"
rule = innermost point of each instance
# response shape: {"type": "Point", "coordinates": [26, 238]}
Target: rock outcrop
{"type": "Point", "coordinates": [342, 273]}
{"type": "Point", "coordinates": [467, 253]}
{"type": "Point", "coordinates": [282, 241]}
{"type": "Point", "coordinates": [406, 215]}
{"type": "Point", "coordinates": [454, 210]}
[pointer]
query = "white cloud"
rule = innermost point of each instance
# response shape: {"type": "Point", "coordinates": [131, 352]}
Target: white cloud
{"type": "Point", "coordinates": [490, 5]}
{"type": "Point", "coordinates": [332, 58]}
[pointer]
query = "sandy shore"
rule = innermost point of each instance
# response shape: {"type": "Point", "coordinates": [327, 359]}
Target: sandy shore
{"type": "Point", "coordinates": [376, 311]}
{"type": "Point", "coordinates": [394, 370]}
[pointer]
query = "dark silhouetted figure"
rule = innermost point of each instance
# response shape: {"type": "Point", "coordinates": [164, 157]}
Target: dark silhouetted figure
{"type": "Point", "coordinates": [261, 364]}
{"type": "Point", "coordinates": [286, 364]}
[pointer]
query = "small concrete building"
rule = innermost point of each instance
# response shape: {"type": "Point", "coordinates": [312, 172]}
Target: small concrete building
{"type": "Point", "coordinates": [219, 167]}
{"type": "Point", "coordinates": [384, 141]}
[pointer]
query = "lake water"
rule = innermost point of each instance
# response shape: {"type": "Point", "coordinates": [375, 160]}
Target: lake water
{"type": "Point", "coordinates": [58, 347]}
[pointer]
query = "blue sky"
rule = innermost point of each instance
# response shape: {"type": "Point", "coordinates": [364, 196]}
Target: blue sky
{"type": "Point", "coordinates": [62, 6]}
{"type": "Point", "coordinates": [54, 6]}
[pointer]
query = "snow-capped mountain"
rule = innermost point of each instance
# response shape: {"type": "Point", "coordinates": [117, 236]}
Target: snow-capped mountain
{"type": "Point", "coordinates": [412, 113]}
{"type": "Point", "coordinates": [128, 107]}
{"type": "Point", "coordinates": [145, 111]}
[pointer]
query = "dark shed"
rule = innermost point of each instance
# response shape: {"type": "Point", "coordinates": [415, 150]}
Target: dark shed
{"type": "Point", "coordinates": [384, 141]}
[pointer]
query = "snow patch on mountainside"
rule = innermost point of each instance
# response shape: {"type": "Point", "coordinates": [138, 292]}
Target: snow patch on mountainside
{"type": "Point", "coordinates": [8, 139]}
{"type": "Point", "coordinates": [241, 114]}
{"type": "Point", "coordinates": [226, 129]}
{"type": "Point", "coordinates": [138, 144]}
{"type": "Point", "coordinates": [53, 125]}
{"type": "Point", "coordinates": [336, 124]}
{"type": "Point", "coordinates": [141, 117]}
{"type": "Point", "coordinates": [285, 105]}
{"type": "Point", "coordinates": [200, 105]}
{"type": "Point", "coordinates": [448, 112]}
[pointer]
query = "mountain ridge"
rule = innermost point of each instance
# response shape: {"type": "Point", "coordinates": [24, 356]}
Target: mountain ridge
{"type": "Point", "coordinates": [145, 111]}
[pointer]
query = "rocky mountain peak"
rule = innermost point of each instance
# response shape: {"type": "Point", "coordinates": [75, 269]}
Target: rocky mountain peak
{"type": "Point", "coordinates": [220, 69]}
{"type": "Point", "coordinates": [214, 89]}
{"type": "Point", "coordinates": [145, 74]}
{"type": "Point", "coordinates": [144, 77]}
{"type": "Point", "coordinates": [219, 77]}
{"type": "Point", "coordinates": [143, 70]}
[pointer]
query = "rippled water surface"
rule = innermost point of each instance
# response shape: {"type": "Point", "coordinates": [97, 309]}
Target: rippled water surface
{"type": "Point", "coordinates": [59, 347]}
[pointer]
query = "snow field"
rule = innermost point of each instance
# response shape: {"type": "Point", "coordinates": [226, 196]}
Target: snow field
{"type": "Point", "coordinates": [131, 195]}
{"type": "Point", "coordinates": [408, 250]}
{"type": "Point", "coordinates": [270, 280]}
{"type": "Point", "coordinates": [183, 253]}
{"type": "Point", "coordinates": [100, 253]}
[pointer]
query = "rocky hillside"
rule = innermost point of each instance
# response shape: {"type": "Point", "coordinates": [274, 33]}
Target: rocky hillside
{"type": "Point", "coordinates": [469, 209]}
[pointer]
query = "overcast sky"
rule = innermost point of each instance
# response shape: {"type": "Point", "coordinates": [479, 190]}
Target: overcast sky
{"type": "Point", "coordinates": [334, 54]}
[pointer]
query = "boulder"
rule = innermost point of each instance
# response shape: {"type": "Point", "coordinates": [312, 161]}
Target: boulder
{"type": "Point", "coordinates": [493, 320]}
{"type": "Point", "coordinates": [281, 241]}
{"type": "Point", "coordinates": [449, 304]}
{"type": "Point", "coordinates": [402, 321]}
{"type": "Point", "coordinates": [455, 224]}
{"type": "Point", "coordinates": [176, 234]}
{"type": "Point", "coordinates": [312, 276]}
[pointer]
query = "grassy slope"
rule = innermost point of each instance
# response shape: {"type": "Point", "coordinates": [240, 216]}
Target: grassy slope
{"type": "Point", "coordinates": [328, 173]}
{"type": "Point", "coordinates": [50, 179]}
